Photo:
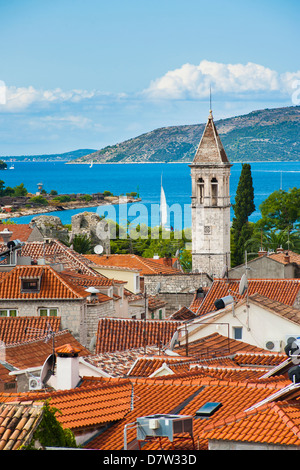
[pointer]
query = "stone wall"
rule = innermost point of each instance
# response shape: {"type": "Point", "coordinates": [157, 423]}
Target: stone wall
{"type": "Point", "coordinates": [94, 312]}
{"type": "Point", "coordinates": [176, 289]}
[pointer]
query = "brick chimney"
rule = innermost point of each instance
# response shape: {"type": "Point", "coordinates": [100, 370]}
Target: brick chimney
{"type": "Point", "coordinates": [279, 250]}
{"type": "Point", "coordinates": [67, 367]}
{"type": "Point", "coordinates": [287, 257]}
{"type": "Point", "coordinates": [262, 252]}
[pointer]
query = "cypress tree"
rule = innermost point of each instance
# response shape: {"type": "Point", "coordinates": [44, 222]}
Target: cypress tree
{"type": "Point", "coordinates": [244, 206]}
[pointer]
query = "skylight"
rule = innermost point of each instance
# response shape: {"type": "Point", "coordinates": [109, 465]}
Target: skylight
{"type": "Point", "coordinates": [208, 409]}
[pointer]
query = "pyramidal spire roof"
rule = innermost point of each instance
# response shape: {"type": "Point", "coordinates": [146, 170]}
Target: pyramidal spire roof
{"type": "Point", "coordinates": [210, 149]}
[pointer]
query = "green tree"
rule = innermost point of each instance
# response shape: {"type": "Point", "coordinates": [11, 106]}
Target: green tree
{"type": "Point", "coordinates": [3, 165]}
{"type": "Point", "coordinates": [243, 208]}
{"type": "Point", "coordinates": [20, 190]}
{"type": "Point", "coordinates": [280, 210]}
{"type": "Point", "coordinates": [50, 432]}
{"type": "Point", "coordinates": [82, 244]}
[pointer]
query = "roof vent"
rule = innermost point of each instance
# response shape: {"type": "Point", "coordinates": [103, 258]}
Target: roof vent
{"type": "Point", "coordinates": [223, 302]}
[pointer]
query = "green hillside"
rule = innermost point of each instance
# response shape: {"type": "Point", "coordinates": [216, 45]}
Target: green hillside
{"type": "Point", "coordinates": [269, 134]}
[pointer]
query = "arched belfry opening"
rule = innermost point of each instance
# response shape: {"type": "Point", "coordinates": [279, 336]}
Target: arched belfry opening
{"type": "Point", "coordinates": [214, 191]}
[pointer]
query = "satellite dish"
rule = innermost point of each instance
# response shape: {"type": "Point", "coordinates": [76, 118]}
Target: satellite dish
{"type": "Point", "coordinates": [48, 369]}
{"type": "Point", "coordinates": [243, 286]}
{"type": "Point", "coordinates": [98, 249]}
{"type": "Point", "coordinates": [92, 290]}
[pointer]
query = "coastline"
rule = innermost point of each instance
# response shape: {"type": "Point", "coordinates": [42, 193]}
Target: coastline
{"type": "Point", "coordinates": [66, 206]}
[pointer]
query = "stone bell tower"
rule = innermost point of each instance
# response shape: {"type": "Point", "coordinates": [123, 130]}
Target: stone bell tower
{"type": "Point", "coordinates": [210, 173]}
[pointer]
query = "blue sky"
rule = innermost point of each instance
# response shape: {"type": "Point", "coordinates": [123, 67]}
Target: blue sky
{"type": "Point", "coordinates": [86, 74]}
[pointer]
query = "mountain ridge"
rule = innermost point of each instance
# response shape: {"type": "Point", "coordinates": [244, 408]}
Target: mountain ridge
{"type": "Point", "coordinates": [262, 135]}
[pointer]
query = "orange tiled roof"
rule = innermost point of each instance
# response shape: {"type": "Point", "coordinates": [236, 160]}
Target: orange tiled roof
{"type": "Point", "coordinates": [174, 396]}
{"type": "Point", "coordinates": [216, 345]}
{"type": "Point", "coordinates": [184, 313]}
{"type": "Point", "coordinates": [86, 280]}
{"type": "Point", "coordinates": [118, 363]}
{"type": "Point", "coordinates": [119, 334]}
{"type": "Point", "coordinates": [55, 251]}
{"type": "Point", "coordinates": [285, 257]}
{"type": "Point", "coordinates": [145, 265]}
{"type": "Point", "coordinates": [19, 231]}
{"type": "Point", "coordinates": [34, 353]}
{"type": "Point", "coordinates": [96, 403]}
{"type": "Point", "coordinates": [280, 290]}
{"type": "Point", "coordinates": [52, 285]}
{"type": "Point", "coordinates": [18, 423]}
{"type": "Point", "coordinates": [19, 329]}
{"type": "Point", "coordinates": [273, 423]}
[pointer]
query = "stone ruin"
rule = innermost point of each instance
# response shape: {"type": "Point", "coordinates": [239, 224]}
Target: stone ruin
{"type": "Point", "coordinates": [51, 227]}
{"type": "Point", "coordinates": [94, 227]}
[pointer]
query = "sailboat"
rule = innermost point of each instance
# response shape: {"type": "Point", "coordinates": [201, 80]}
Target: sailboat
{"type": "Point", "coordinates": [91, 164]}
{"type": "Point", "coordinates": [12, 167]}
{"type": "Point", "coordinates": [163, 208]}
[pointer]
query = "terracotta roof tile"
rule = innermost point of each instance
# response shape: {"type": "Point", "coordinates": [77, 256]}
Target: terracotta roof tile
{"type": "Point", "coordinates": [34, 353]}
{"type": "Point", "coordinates": [55, 251]}
{"type": "Point", "coordinates": [19, 329]}
{"type": "Point", "coordinates": [18, 422]}
{"type": "Point", "coordinates": [145, 265]}
{"type": "Point", "coordinates": [52, 285]}
{"type": "Point", "coordinates": [119, 334]}
{"type": "Point", "coordinates": [176, 397]}
{"type": "Point", "coordinates": [88, 407]}
{"type": "Point", "coordinates": [280, 290]}
{"type": "Point", "coordinates": [274, 423]}
{"type": "Point", "coordinates": [216, 345]}
{"type": "Point", "coordinates": [19, 231]}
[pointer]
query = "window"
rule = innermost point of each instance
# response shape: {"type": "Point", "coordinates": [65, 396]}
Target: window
{"type": "Point", "coordinates": [201, 190]}
{"type": "Point", "coordinates": [237, 332]}
{"type": "Point", "coordinates": [48, 312]}
{"type": "Point", "coordinates": [208, 409]}
{"type": "Point", "coordinates": [214, 192]}
{"type": "Point", "coordinates": [160, 314]}
{"type": "Point", "coordinates": [30, 285]}
{"type": "Point", "coordinates": [8, 313]}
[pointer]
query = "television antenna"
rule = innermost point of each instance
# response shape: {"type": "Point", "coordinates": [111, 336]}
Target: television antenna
{"type": "Point", "coordinates": [49, 364]}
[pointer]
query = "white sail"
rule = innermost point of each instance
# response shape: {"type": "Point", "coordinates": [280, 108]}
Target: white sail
{"type": "Point", "coordinates": [91, 164]}
{"type": "Point", "coordinates": [163, 207]}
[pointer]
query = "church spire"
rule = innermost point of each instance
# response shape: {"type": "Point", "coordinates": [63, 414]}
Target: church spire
{"type": "Point", "coordinates": [210, 149]}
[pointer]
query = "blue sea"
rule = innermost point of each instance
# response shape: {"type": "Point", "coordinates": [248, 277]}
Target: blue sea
{"type": "Point", "coordinates": [144, 178]}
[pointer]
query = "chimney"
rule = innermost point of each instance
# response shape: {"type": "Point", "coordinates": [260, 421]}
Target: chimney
{"type": "Point", "coordinates": [262, 252]}
{"type": "Point", "coordinates": [286, 258]}
{"type": "Point", "coordinates": [279, 250]}
{"type": "Point", "coordinates": [67, 367]}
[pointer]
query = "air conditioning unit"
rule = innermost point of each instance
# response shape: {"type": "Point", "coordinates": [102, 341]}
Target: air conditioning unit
{"type": "Point", "coordinates": [35, 383]}
{"type": "Point", "coordinates": [274, 345]}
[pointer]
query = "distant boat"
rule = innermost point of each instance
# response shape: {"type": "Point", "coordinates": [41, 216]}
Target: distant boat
{"type": "Point", "coordinates": [12, 167]}
{"type": "Point", "coordinates": [91, 164]}
{"type": "Point", "coordinates": [163, 207]}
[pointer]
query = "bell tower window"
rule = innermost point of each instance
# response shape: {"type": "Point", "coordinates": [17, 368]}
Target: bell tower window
{"type": "Point", "coordinates": [201, 191]}
{"type": "Point", "coordinates": [214, 192]}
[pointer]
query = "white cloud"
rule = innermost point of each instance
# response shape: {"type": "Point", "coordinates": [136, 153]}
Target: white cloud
{"type": "Point", "coordinates": [21, 98]}
{"type": "Point", "coordinates": [194, 81]}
